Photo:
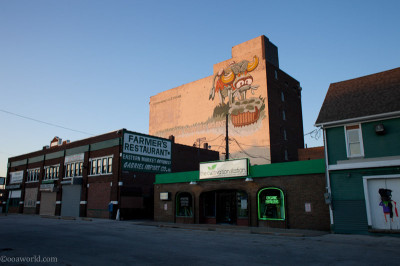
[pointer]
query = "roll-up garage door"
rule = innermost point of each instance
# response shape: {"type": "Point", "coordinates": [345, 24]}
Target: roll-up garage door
{"type": "Point", "coordinates": [48, 203]}
{"type": "Point", "coordinates": [71, 197]}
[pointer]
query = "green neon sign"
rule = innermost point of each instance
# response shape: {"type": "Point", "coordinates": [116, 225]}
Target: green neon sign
{"type": "Point", "coordinates": [270, 205]}
{"type": "Point", "coordinates": [272, 200]}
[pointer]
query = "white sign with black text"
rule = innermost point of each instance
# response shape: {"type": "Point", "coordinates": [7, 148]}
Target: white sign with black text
{"type": "Point", "coordinates": [16, 177]}
{"type": "Point", "coordinates": [233, 168]}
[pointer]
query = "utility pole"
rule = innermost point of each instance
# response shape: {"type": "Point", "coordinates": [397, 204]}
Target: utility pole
{"type": "Point", "coordinates": [198, 150]}
{"type": "Point", "coordinates": [227, 140]}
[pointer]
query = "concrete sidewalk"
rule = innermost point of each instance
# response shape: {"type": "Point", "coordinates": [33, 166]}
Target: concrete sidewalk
{"type": "Point", "coordinates": [235, 228]}
{"type": "Point", "coordinates": [201, 227]}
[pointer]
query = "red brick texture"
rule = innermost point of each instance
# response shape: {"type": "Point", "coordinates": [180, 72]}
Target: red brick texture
{"type": "Point", "coordinates": [298, 190]}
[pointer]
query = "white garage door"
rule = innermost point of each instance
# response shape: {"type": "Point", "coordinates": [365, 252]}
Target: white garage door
{"type": "Point", "coordinates": [384, 211]}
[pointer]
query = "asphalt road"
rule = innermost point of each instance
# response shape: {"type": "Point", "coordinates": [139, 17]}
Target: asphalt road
{"type": "Point", "coordinates": [105, 242]}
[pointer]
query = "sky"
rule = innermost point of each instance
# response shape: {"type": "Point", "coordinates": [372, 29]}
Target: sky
{"type": "Point", "coordinates": [75, 69]}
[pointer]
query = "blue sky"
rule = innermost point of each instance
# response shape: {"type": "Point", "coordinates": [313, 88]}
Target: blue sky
{"type": "Point", "coordinates": [92, 66]}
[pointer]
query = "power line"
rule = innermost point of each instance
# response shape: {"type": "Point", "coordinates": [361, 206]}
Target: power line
{"type": "Point", "coordinates": [251, 156]}
{"type": "Point", "coordinates": [214, 139]}
{"type": "Point", "coordinates": [315, 134]}
{"type": "Point", "coordinates": [46, 123]}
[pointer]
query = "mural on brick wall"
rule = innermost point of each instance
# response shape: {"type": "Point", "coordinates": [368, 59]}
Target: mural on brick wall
{"type": "Point", "coordinates": [234, 85]}
{"type": "Point", "coordinates": [237, 89]}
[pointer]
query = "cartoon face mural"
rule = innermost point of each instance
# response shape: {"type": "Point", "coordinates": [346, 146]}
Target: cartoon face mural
{"type": "Point", "coordinates": [233, 83]}
{"type": "Point", "coordinates": [387, 203]}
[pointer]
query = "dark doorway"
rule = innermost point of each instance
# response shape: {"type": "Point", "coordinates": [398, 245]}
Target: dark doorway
{"type": "Point", "coordinates": [226, 207]}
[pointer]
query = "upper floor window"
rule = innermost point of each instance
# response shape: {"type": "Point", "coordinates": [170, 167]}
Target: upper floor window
{"type": "Point", "coordinates": [283, 115]}
{"type": "Point", "coordinates": [101, 166]}
{"type": "Point", "coordinates": [276, 74]}
{"type": "Point", "coordinates": [282, 96]}
{"type": "Point", "coordinates": [73, 169]}
{"type": "Point", "coordinates": [354, 143]}
{"type": "Point", "coordinates": [33, 175]}
{"type": "Point", "coordinates": [51, 172]}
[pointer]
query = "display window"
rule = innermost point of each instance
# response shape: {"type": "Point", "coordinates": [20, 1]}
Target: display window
{"type": "Point", "coordinates": [184, 206]}
{"type": "Point", "coordinates": [271, 204]}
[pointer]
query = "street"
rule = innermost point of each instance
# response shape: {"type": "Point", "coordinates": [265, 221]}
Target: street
{"type": "Point", "coordinates": [29, 239]}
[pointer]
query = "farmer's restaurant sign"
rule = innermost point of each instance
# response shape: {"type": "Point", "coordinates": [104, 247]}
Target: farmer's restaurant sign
{"type": "Point", "coordinates": [144, 153]}
{"type": "Point", "coordinates": [233, 168]}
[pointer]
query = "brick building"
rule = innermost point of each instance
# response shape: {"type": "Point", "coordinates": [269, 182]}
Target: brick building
{"type": "Point", "coordinates": [281, 195]}
{"type": "Point", "coordinates": [262, 101]}
{"type": "Point", "coordinates": [87, 177]}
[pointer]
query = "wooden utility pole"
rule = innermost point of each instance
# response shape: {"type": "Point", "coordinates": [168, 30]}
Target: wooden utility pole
{"type": "Point", "coordinates": [227, 140]}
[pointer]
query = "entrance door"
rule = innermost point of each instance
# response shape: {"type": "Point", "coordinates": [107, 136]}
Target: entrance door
{"type": "Point", "coordinates": [384, 211]}
{"type": "Point", "coordinates": [226, 207]}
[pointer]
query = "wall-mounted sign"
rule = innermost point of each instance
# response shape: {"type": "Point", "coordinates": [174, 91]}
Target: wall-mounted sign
{"type": "Point", "coordinates": [13, 187]}
{"type": "Point", "coordinates": [233, 168]}
{"type": "Point", "coordinates": [47, 187]}
{"type": "Point", "coordinates": [307, 207]}
{"type": "Point", "coordinates": [16, 177]}
{"type": "Point", "coordinates": [144, 153]}
{"type": "Point", "coordinates": [164, 195]}
{"type": "Point", "coordinates": [74, 158]}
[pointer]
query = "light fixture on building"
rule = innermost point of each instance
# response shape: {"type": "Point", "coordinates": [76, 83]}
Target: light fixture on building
{"type": "Point", "coordinates": [193, 183]}
{"type": "Point", "coordinates": [380, 129]}
{"type": "Point", "coordinates": [249, 179]}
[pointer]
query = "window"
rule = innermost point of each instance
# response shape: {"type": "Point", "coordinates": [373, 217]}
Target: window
{"type": "Point", "coordinates": [283, 115]}
{"type": "Point", "coordinates": [93, 167]}
{"type": "Point", "coordinates": [98, 166]}
{"type": "Point", "coordinates": [242, 209]}
{"type": "Point", "coordinates": [184, 206]}
{"type": "Point", "coordinates": [354, 141]}
{"type": "Point", "coordinates": [276, 74]}
{"type": "Point", "coordinates": [101, 166]}
{"type": "Point", "coordinates": [110, 164]}
{"type": "Point", "coordinates": [271, 204]}
{"type": "Point", "coordinates": [286, 155]}
{"type": "Point", "coordinates": [284, 134]}
{"type": "Point", "coordinates": [68, 170]}
{"type": "Point", "coordinates": [282, 96]}
{"type": "Point", "coordinates": [33, 175]}
{"type": "Point", "coordinates": [51, 172]}
{"type": "Point", "coordinates": [73, 169]}
{"type": "Point", "coordinates": [105, 168]}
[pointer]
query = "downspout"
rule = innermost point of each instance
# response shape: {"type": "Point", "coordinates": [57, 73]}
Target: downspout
{"type": "Point", "coordinates": [328, 181]}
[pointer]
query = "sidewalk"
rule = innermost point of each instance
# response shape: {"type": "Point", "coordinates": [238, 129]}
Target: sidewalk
{"type": "Point", "coordinates": [236, 229]}
{"type": "Point", "coordinates": [202, 227]}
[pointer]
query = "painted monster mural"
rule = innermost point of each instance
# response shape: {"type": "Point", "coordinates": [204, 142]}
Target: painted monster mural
{"type": "Point", "coordinates": [236, 89]}
{"type": "Point", "coordinates": [234, 82]}
{"type": "Point", "coordinates": [387, 203]}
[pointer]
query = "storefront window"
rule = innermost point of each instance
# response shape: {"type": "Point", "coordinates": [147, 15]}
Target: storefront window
{"type": "Point", "coordinates": [242, 204]}
{"type": "Point", "coordinates": [271, 204]}
{"type": "Point", "coordinates": [184, 205]}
